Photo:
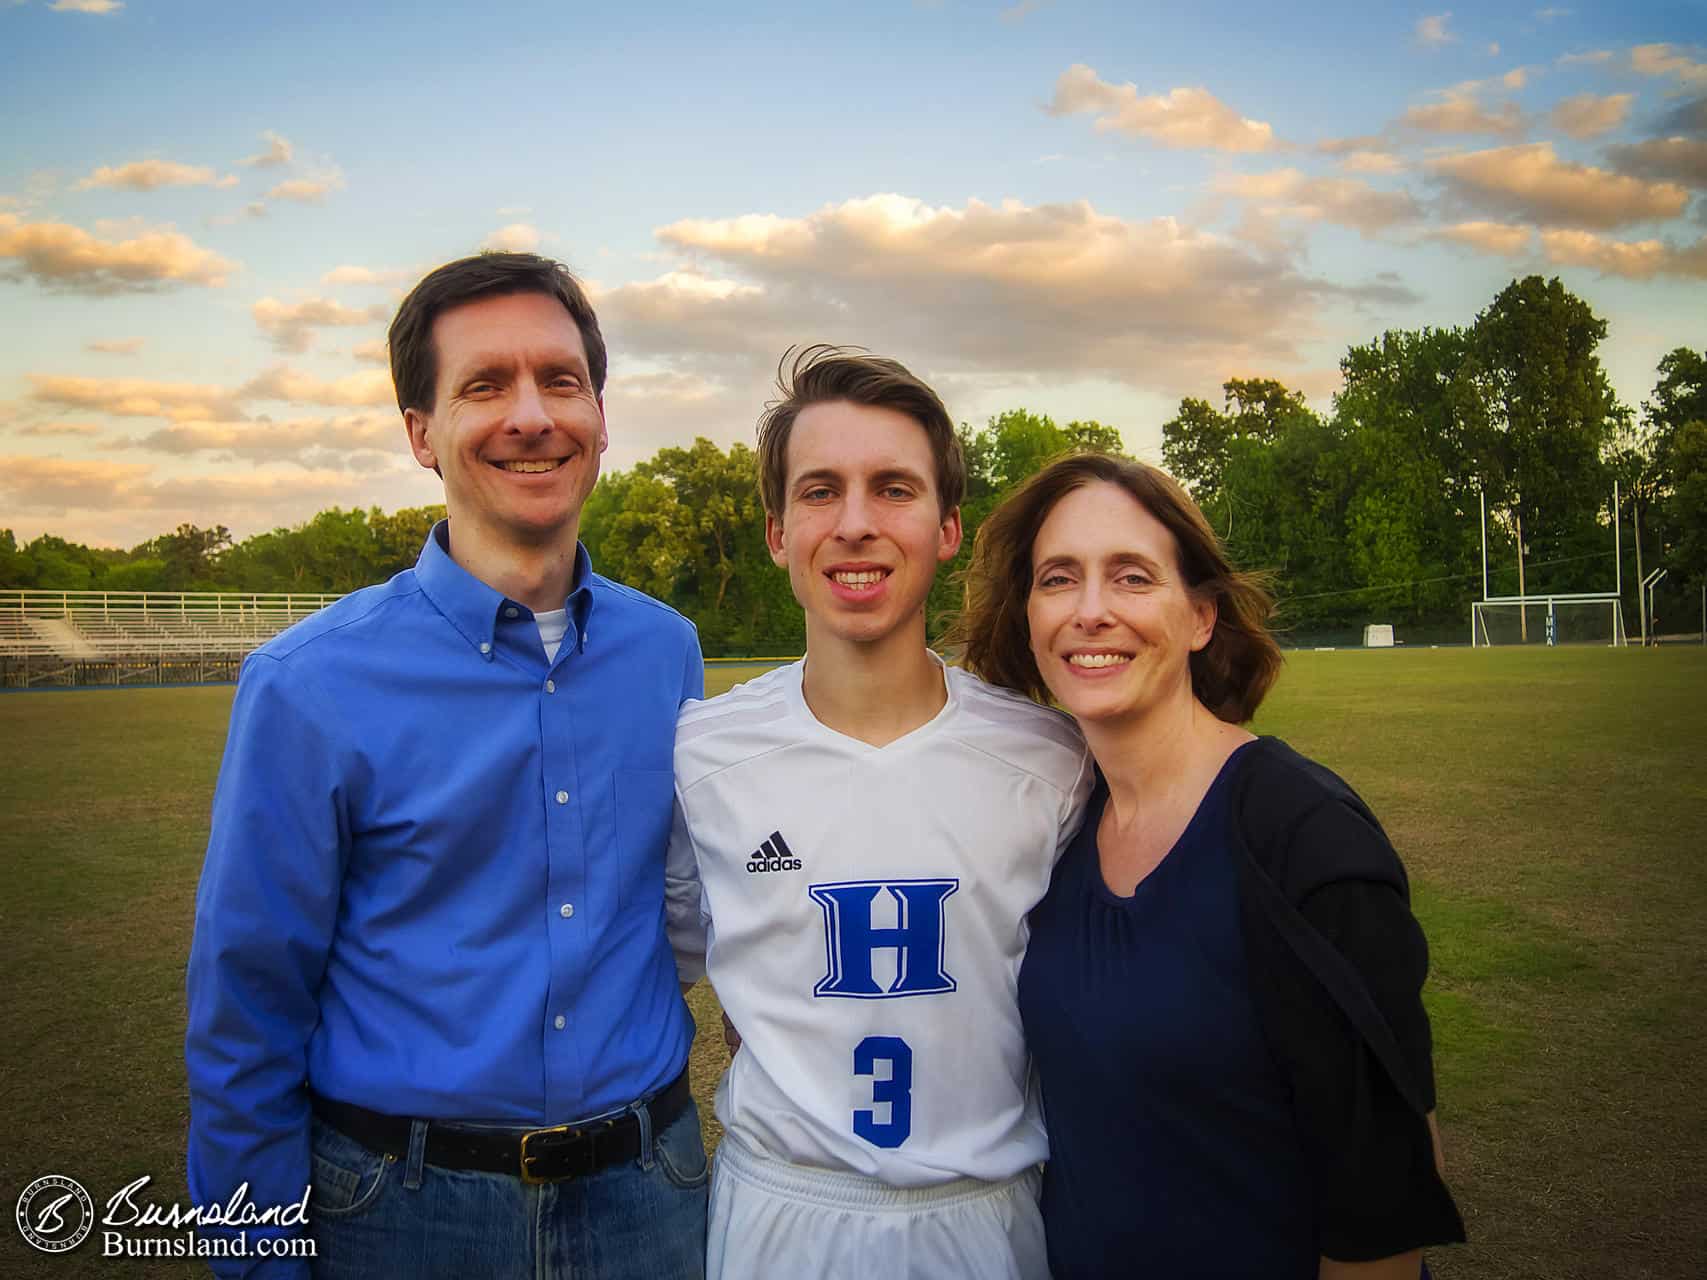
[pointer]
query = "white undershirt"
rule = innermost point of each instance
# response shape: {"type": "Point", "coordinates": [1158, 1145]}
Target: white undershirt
{"type": "Point", "coordinates": [553, 626]}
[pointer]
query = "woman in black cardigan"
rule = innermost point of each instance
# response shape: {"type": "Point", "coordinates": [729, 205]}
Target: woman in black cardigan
{"type": "Point", "coordinates": [1222, 988]}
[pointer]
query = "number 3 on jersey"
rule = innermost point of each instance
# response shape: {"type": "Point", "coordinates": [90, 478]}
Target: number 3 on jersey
{"type": "Point", "coordinates": [897, 1090]}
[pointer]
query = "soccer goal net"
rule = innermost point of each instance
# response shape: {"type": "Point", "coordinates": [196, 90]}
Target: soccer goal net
{"type": "Point", "coordinates": [1545, 620]}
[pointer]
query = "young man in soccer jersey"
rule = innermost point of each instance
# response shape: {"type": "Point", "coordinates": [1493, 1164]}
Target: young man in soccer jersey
{"type": "Point", "coordinates": [870, 828]}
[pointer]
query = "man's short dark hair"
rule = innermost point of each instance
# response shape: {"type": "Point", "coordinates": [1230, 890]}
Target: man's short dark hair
{"type": "Point", "coordinates": [414, 358]}
{"type": "Point", "coordinates": [822, 373]}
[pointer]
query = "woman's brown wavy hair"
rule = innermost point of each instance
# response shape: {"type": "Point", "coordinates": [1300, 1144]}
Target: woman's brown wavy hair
{"type": "Point", "coordinates": [1230, 675]}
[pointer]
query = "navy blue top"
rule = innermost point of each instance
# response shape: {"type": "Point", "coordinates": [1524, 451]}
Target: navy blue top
{"type": "Point", "coordinates": [1173, 1150]}
{"type": "Point", "coordinates": [435, 881]}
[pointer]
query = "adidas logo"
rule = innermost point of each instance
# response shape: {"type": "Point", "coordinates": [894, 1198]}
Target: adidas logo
{"type": "Point", "coordinates": [773, 855]}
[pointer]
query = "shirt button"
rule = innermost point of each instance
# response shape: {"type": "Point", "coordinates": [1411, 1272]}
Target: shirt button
{"type": "Point", "coordinates": [566, 910]}
{"type": "Point", "coordinates": [485, 647]}
{"type": "Point", "coordinates": [562, 797]}
{"type": "Point", "coordinates": [560, 1022]}
{"type": "Point", "coordinates": [551, 686]}
{"type": "Point", "coordinates": [510, 613]}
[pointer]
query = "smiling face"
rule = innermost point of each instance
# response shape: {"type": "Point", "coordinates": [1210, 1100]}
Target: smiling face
{"type": "Point", "coordinates": [515, 427]}
{"type": "Point", "coordinates": [1113, 624]}
{"type": "Point", "coordinates": [861, 532]}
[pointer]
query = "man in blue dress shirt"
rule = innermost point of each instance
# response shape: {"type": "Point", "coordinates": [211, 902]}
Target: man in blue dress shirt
{"type": "Point", "coordinates": [430, 974]}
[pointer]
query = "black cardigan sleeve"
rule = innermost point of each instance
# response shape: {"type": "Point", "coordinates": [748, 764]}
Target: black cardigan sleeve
{"type": "Point", "coordinates": [1370, 923]}
{"type": "Point", "coordinates": [1336, 963]}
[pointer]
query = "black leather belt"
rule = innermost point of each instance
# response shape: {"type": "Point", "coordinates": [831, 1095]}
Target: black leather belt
{"type": "Point", "coordinates": [533, 1155]}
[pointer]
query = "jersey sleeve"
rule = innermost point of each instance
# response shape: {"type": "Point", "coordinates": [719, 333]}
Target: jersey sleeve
{"type": "Point", "coordinates": [1073, 803]}
{"type": "Point", "coordinates": [685, 918]}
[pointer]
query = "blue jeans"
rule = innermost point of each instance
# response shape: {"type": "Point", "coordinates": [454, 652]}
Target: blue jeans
{"type": "Point", "coordinates": [375, 1215]}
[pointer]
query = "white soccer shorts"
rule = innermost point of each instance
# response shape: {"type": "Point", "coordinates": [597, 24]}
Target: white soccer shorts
{"type": "Point", "coordinates": [771, 1220]}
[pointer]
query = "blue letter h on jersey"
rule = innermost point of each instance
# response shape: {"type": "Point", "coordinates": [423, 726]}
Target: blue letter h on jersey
{"type": "Point", "coordinates": [851, 937]}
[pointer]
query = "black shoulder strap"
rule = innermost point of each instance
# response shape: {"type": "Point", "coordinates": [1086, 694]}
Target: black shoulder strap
{"type": "Point", "coordinates": [1269, 806]}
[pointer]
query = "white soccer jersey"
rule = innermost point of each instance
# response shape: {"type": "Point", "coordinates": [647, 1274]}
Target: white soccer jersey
{"type": "Point", "coordinates": [865, 917]}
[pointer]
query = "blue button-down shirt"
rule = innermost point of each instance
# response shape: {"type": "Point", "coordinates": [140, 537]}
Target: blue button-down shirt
{"type": "Point", "coordinates": [435, 881]}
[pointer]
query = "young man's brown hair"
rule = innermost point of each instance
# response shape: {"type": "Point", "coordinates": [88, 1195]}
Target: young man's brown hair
{"type": "Point", "coordinates": [820, 374]}
{"type": "Point", "coordinates": [1230, 675]}
{"type": "Point", "coordinates": [414, 359]}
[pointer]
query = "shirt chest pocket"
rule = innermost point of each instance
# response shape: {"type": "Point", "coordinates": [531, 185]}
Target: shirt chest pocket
{"type": "Point", "coordinates": [643, 799]}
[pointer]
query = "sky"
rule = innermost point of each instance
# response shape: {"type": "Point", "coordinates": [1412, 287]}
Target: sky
{"type": "Point", "coordinates": [209, 211]}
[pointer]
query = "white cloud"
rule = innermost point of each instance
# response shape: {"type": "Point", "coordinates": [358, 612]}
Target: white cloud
{"type": "Point", "coordinates": [1458, 111]}
{"type": "Point", "coordinates": [1362, 142]}
{"type": "Point", "coordinates": [278, 152]}
{"type": "Point", "coordinates": [1348, 202]}
{"type": "Point", "coordinates": [1371, 162]}
{"type": "Point", "coordinates": [1666, 159]}
{"type": "Point", "coordinates": [1501, 239]}
{"type": "Point", "coordinates": [1669, 60]}
{"type": "Point", "coordinates": [86, 6]}
{"type": "Point", "coordinates": [374, 352]}
{"type": "Point", "coordinates": [1182, 118]}
{"type": "Point", "coordinates": [59, 256]}
{"type": "Point", "coordinates": [136, 397]}
{"type": "Point", "coordinates": [347, 274]}
{"type": "Point", "coordinates": [1588, 115]}
{"type": "Point", "coordinates": [201, 402]}
{"type": "Point", "coordinates": [1687, 119]}
{"type": "Point", "coordinates": [59, 430]}
{"type": "Point", "coordinates": [115, 346]}
{"type": "Point", "coordinates": [128, 501]}
{"type": "Point", "coordinates": [336, 442]}
{"type": "Point", "coordinates": [291, 326]}
{"type": "Point", "coordinates": [1547, 15]}
{"type": "Point", "coordinates": [1593, 58]}
{"type": "Point", "coordinates": [371, 388]}
{"type": "Point", "coordinates": [517, 237]}
{"type": "Point", "coordinates": [61, 484]}
{"type": "Point", "coordinates": [1432, 33]}
{"type": "Point", "coordinates": [1052, 292]}
{"type": "Point", "coordinates": [1633, 260]}
{"type": "Point", "coordinates": [1533, 183]}
{"type": "Point", "coordinates": [307, 190]}
{"type": "Point", "coordinates": [151, 175]}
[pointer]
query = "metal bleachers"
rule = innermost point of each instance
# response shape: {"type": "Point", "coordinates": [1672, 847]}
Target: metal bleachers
{"type": "Point", "coordinates": [71, 638]}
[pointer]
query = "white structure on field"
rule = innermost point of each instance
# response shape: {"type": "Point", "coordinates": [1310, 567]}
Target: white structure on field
{"type": "Point", "coordinates": [1583, 617]}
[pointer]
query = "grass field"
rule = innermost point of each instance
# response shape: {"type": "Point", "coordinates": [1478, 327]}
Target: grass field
{"type": "Point", "coordinates": [1551, 806]}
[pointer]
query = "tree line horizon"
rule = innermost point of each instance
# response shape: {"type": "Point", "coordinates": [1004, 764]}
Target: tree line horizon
{"type": "Point", "coordinates": [1368, 513]}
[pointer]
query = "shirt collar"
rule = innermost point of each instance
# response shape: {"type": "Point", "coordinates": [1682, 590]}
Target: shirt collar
{"type": "Point", "coordinates": [471, 606]}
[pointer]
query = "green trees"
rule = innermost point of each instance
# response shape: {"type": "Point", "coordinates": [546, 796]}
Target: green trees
{"type": "Point", "coordinates": [1372, 513]}
{"type": "Point", "coordinates": [687, 526]}
{"type": "Point", "coordinates": [337, 550]}
{"type": "Point", "coordinates": [52, 564]}
{"type": "Point", "coordinates": [1550, 414]}
{"type": "Point", "coordinates": [1366, 513]}
{"type": "Point", "coordinates": [1672, 446]}
{"type": "Point", "coordinates": [1270, 474]}
{"type": "Point", "coordinates": [1414, 424]}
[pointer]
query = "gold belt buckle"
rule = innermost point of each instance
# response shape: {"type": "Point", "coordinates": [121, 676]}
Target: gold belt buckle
{"type": "Point", "coordinates": [527, 1172]}
{"type": "Point", "coordinates": [583, 1134]}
